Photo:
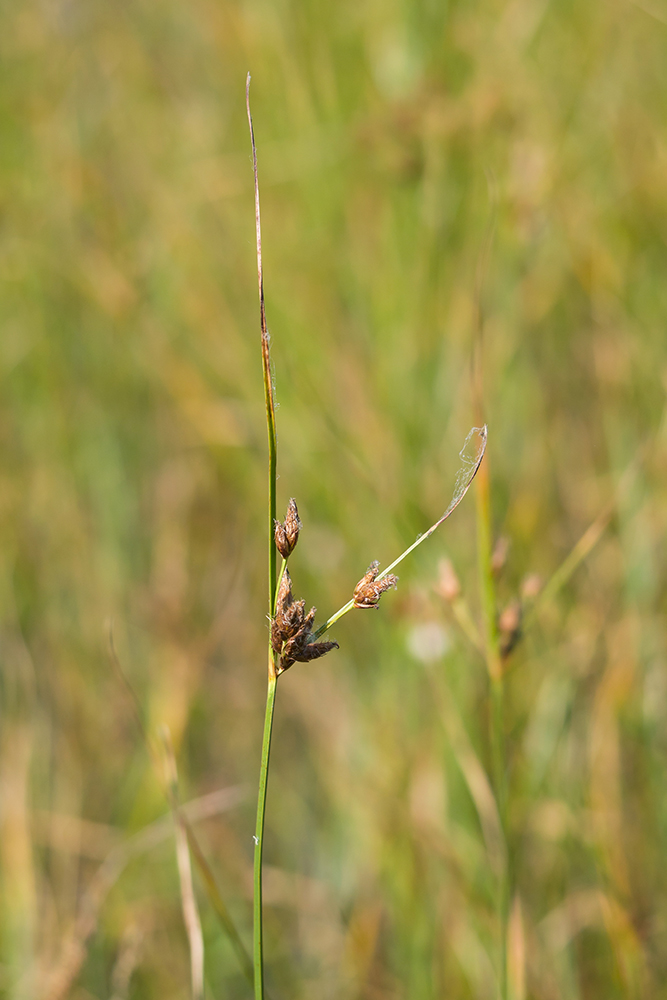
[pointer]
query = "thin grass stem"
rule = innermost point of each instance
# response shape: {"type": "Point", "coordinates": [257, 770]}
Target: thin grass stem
{"type": "Point", "coordinates": [208, 878]}
{"type": "Point", "coordinates": [59, 980]}
{"type": "Point", "coordinates": [497, 713]}
{"type": "Point", "coordinates": [258, 934]}
{"type": "Point", "coordinates": [488, 600]}
{"type": "Point", "coordinates": [266, 367]}
{"type": "Point", "coordinates": [191, 917]}
{"type": "Point", "coordinates": [583, 548]}
{"type": "Point", "coordinates": [258, 937]}
{"type": "Point", "coordinates": [217, 902]}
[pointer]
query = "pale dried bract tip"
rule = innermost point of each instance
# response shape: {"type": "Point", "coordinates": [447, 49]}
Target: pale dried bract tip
{"type": "Point", "coordinates": [287, 534]}
{"type": "Point", "coordinates": [499, 554]}
{"type": "Point", "coordinates": [448, 585]}
{"type": "Point", "coordinates": [292, 629]}
{"type": "Point", "coordinates": [281, 624]}
{"type": "Point", "coordinates": [368, 591]}
{"type": "Point", "coordinates": [531, 586]}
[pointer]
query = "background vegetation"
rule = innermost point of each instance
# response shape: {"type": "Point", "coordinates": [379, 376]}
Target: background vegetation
{"type": "Point", "coordinates": [432, 173]}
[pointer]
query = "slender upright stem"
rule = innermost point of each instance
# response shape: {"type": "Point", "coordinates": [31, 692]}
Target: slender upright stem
{"type": "Point", "coordinates": [497, 714]}
{"type": "Point", "coordinates": [489, 608]}
{"type": "Point", "coordinates": [266, 369]}
{"type": "Point", "coordinates": [258, 940]}
{"type": "Point", "coordinates": [191, 917]}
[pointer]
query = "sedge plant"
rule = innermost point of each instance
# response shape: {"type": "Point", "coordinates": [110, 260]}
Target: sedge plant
{"type": "Point", "coordinates": [293, 636]}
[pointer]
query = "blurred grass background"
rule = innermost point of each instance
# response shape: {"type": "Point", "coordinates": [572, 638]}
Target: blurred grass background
{"type": "Point", "coordinates": [430, 173]}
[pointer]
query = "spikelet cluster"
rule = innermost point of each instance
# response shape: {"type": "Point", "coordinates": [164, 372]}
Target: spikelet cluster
{"type": "Point", "coordinates": [292, 628]}
{"type": "Point", "coordinates": [292, 635]}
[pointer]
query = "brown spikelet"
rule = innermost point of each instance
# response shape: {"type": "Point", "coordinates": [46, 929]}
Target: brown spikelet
{"type": "Point", "coordinates": [313, 651]}
{"type": "Point", "coordinates": [287, 534]}
{"type": "Point", "coordinates": [282, 624]}
{"type": "Point", "coordinates": [292, 629]}
{"type": "Point", "coordinates": [368, 591]}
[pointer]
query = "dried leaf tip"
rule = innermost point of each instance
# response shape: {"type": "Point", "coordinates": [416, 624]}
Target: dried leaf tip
{"type": "Point", "coordinates": [292, 630]}
{"type": "Point", "coordinates": [287, 534]}
{"type": "Point", "coordinates": [369, 590]}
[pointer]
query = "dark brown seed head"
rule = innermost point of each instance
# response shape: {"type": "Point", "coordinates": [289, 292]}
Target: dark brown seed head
{"type": "Point", "coordinates": [287, 534]}
{"type": "Point", "coordinates": [368, 591]}
{"type": "Point", "coordinates": [310, 651]}
{"type": "Point", "coordinates": [292, 629]}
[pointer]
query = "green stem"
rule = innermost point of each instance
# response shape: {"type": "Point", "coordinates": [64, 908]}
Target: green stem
{"type": "Point", "coordinates": [258, 938]}
{"type": "Point", "coordinates": [497, 714]}
{"type": "Point", "coordinates": [258, 945]}
{"type": "Point", "coordinates": [266, 367]}
{"type": "Point", "coordinates": [258, 930]}
{"type": "Point", "coordinates": [334, 618]}
{"type": "Point", "coordinates": [498, 752]}
{"type": "Point", "coordinates": [273, 583]}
